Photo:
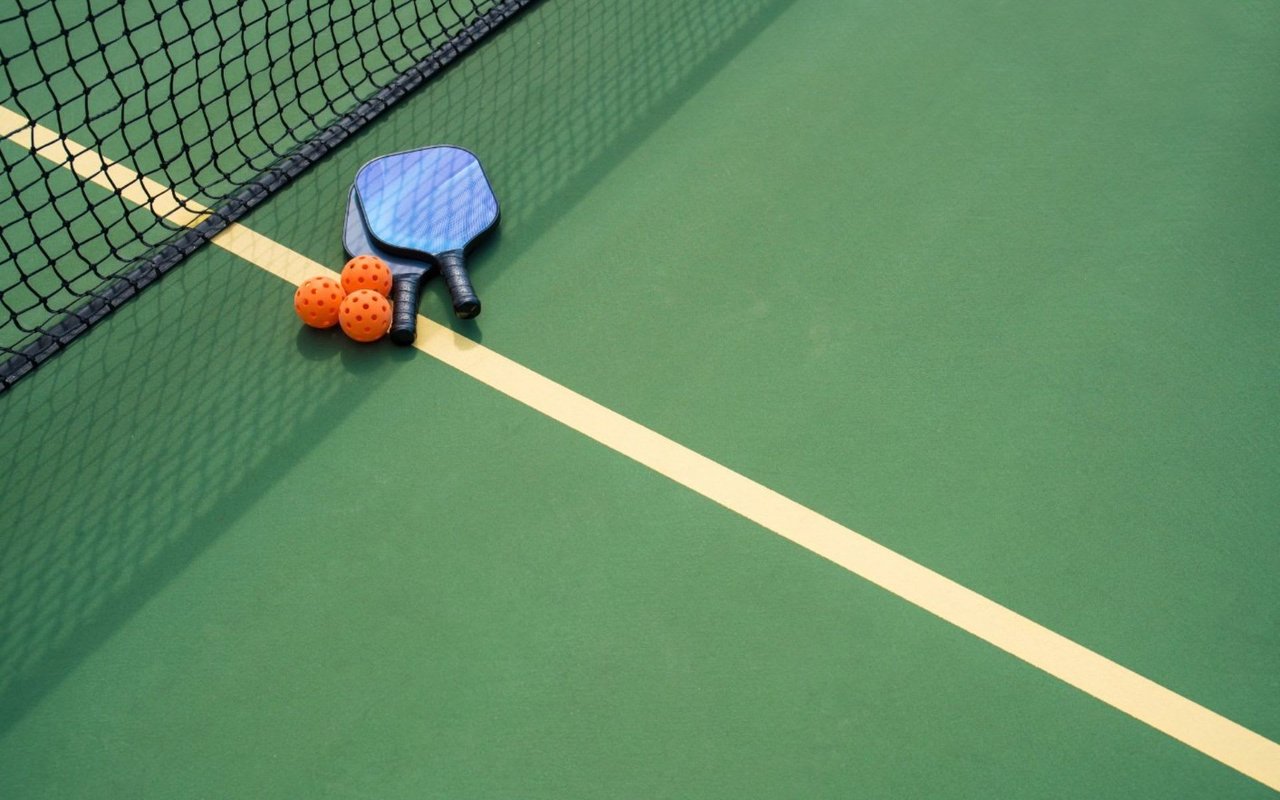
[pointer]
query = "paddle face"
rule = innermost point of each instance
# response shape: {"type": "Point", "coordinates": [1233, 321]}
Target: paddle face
{"type": "Point", "coordinates": [429, 204]}
{"type": "Point", "coordinates": [426, 202]}
{"type": "Point", "coordinates": [407, 275]}
{"type": "Point", "coordinates": [356, 242]}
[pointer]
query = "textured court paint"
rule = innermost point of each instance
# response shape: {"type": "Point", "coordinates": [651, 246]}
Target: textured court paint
{"type": "Point", "coordinates": [1008, 304]}
{"type": "Point", "coordinates": [1020, 263]}
{"type": "Point", "coordinates": [347, 584]}
{"type": "Point", "coordinates": [1220, 738]}
{"type": "Point", "coordinates": [1192, 724]}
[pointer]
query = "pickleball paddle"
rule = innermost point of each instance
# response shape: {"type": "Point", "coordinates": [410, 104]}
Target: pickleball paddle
{"type": "Point", "coordinates": [428, 205]}
{"type": "Point", "coordinates": [407, 275]}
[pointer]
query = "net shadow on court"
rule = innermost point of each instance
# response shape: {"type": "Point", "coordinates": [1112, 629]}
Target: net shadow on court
{"type": "Point", "coordinates": [126, 463]}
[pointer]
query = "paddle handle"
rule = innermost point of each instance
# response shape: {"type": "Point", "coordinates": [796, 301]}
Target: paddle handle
{"type": "Point", "coordinates": [405, 288]}
{"type": "Point", "coordinates": [465, 303]}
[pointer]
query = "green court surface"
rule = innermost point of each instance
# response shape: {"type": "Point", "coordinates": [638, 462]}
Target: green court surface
{"type": "Point", "coordinates": [995, 285]}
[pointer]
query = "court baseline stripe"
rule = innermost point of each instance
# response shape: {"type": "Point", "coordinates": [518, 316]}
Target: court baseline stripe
{"type": "Point", "coordinates": [1180, 718]}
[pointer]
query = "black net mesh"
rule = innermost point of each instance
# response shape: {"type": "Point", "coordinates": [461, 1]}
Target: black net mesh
{"type": "Point", "coordinates": [221, 101]}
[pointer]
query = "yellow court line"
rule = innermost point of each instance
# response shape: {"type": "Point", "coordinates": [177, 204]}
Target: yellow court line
{"type": "Point", "coordinates": [101, 171]}
{"type": "Point", "coordinates": [1165, 710]}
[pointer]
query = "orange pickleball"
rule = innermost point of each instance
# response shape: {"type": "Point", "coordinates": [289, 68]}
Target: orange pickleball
{"type": "Point", "coordinates": [365, 315]}
{"type": "Point", "coordinates": [317, 302]}
{"type": "Point", "coordinates": [367, 272]}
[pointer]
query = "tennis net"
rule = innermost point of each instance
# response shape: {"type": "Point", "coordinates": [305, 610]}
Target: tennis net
{"type": "Point", "coordinates": [221, 101]}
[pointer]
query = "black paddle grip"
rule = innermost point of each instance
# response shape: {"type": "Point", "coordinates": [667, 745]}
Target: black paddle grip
{"type": "Point", "coordinates": [404, 307]}
{"type": "Point", "coordinates": [465, 303]}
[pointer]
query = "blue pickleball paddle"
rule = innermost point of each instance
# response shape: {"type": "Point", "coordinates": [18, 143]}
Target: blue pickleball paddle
{"type": "Point", "coordinates": [427, 205]}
